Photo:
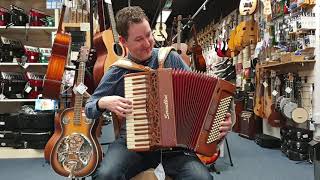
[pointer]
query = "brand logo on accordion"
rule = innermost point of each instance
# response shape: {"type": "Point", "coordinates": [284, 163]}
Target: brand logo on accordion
{"type": "Point", "coordinates": [166, 106]}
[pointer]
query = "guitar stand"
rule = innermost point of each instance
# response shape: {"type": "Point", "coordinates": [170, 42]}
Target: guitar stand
{"type": "Point", "coordinates": [212, 168]}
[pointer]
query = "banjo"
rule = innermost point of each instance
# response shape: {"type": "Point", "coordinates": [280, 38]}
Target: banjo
{"type": "Point", "coordinates": [300, 114]}
{"type": "Point", "coordinates": [288, 104]}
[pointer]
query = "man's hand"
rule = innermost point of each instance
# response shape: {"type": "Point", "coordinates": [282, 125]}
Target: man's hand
{"type": "Point", "coordinates": [119, 105]}
{"type": "Point", "coordinates": [225, 126]}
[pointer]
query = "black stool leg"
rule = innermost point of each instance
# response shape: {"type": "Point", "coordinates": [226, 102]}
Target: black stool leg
{"type": "Point", "coordinates": [229, 154]}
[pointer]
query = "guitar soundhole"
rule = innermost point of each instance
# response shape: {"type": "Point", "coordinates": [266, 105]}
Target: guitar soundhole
{"type": "Point", "coordinates": [179, 51]}
{"type": "Point", "coordinates": [74, 152]}
{"type": "Point", "coordinates": [118, 49]}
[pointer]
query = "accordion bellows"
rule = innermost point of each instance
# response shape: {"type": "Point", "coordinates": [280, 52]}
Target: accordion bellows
{"type": "Point", "coordinates": [176, 108]}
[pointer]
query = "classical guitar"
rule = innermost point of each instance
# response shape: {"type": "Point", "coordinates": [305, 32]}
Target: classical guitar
{"type": "Point", "coordinates": [159, 33]}
{"type": "Point", "coordinates": [267, 95]}
{"type": "Point", "coordinates": [181, 48]}
{"type": "Point", "coordinates": [77, 152]}
{"type": "Point", "coordinates": [247, 7]}
{"type": "Point", "coordinates": [59, 56]}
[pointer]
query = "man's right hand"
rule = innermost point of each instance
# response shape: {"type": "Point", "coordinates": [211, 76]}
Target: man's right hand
{"type": "Point", "coordinates": [117, 104]}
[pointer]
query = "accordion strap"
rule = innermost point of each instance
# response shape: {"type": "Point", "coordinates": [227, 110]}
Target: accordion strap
{"type": "Point", "coordinates": [127, 64]}
{"type": "Point", "coordinates": [163, 54]}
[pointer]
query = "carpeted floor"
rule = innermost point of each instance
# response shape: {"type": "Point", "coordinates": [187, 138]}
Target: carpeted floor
{"type": "Point", "coordinates": [251, 162]}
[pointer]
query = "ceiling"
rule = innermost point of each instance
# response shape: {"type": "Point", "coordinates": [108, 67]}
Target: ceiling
{"type": "Point", "coordinates": [214, 9]}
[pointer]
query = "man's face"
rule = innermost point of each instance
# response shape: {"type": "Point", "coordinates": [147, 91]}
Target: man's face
{"type": "Point", "coordinates": [140, 40]}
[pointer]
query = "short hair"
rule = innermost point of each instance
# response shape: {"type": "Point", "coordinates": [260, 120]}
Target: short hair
{"type": "Point", "coordinates": [127, 16]}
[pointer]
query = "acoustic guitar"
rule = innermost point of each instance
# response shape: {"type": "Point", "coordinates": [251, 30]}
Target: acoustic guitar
{"type": "Point", "coordinates": [77, 152]}
{"type": "Point", "coordinates": [115, 49]}
{"type": "Point", "coordinates": [59, 56]}
{"type": "Point", "coordinates": [181, 48]}
{"type": "Point", "coordinates": [275, 118]}
{"type": "Point", "coordinates": [198, 59]}
{"type": "Point", "coordinates": [106, 42]}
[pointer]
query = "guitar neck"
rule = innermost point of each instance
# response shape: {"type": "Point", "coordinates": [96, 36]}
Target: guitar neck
{"type": "Point", "coordinates": [178, 33]}
{"type": "Point", "coordinates": [113, 23]}
{"type": "Point", "coordinates": [101, 14]}
{"type": "Point", "coordinates": [63, 10]}
{"type": "Point", "coordinates": [78, 96]}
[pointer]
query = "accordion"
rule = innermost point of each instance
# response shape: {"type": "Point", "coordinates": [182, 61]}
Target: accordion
{"type": "Point", "coordinates": [176, 108]}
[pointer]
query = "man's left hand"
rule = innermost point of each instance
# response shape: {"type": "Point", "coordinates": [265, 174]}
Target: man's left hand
{"type": "Point", "coordinates": [225, 126]}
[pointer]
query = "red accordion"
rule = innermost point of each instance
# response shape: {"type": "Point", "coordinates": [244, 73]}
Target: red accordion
{"type": "Point", "coordinates": [176, 108]}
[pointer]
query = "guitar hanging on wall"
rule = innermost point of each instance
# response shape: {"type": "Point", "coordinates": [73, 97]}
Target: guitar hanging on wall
{"type": "Point", "coordinates": [160, 34]}
{"type": "Point", "coordinates": [115, 49]}
{"type": "Point", "coordinates": [76, 152]}
{"type": "Point", "coordinates": [60, 55]}
{"type": "Point", "coordinates": [181, 48]}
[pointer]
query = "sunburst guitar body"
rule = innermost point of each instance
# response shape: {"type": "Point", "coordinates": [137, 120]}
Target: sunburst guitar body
{"type": "Point", "coordinates": [76, 151]}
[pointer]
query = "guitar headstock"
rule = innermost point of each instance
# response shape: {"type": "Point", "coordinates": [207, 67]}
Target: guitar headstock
{"type": "Point", "coordinates": [84, 54]}
{"type": "Point", "coordinates": [247, 7]}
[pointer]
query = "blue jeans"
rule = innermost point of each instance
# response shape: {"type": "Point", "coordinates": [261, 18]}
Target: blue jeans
{"type": "Point", "coordinates": [120, 164]}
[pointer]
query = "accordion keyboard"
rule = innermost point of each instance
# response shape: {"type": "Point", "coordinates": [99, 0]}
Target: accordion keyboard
{"type": "Point", "coordinates": [138, 134]}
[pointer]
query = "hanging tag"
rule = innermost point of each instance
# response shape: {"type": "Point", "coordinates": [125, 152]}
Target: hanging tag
{"type": "Point", "coordinates": [274, 92]}
{"type": "Point", "coordinates": [265, 84]}
{"type": "Point", "coordinates": [84, 27]}
{"type": "Point", "coordinates": [81, 88]}
{"type": "Point", "coordinates": [2, 96]}
{"type": "Point", "coordinates": [74, 55]}
{"type": "Point", "coordinates": [27, 89]}
{"type": "Point", "coordinates": [288, 90]}
{"type": "Point", "coordinates": [159, 172]}
{"type": "Point", "coordinates": [2, 123]}
{"type": "Point", "coordinates": [44, 104]}
{"type": "Point", "coordinates": [1, 135]}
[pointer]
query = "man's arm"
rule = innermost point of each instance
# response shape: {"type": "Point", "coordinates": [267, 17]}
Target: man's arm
{"type": "Point", "coordinates": [105, 88]}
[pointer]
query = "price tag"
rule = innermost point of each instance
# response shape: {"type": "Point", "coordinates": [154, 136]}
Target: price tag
{"type": "Point", "coordinates": [27, 89]}
{"type": "Point", "coordinates": [159, 172]}
{"type": "Point", "coordinates": [81, 88]}
{"type": "Point", "coordinates": [84, 27]}
{"type": "Point", "coordinates": [265, 84]}
{"type": "Point", "coordinates": [74, 55]}
{"type": "Point", "coordinates": [274, 92]}
{"type": "Point", "coordinates": [44, 104]}
{"type": "Point", "coordinates": [107, 1]}
{"type": "Point", "coordinates": [288, 90]}
{"type": "Point", "coordinates": [2, 123]}
{"type": "Point", "coordinates": [1, 135]}
{"type": "Point", "coordinates": [2, 96]}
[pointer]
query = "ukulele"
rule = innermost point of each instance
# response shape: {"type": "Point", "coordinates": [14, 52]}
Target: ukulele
{"type": "Point", "coordinates": [60, 54]}
{"type": "Point", "coordinates": [247, 7]}
{"type": "Point", "coordinates": [77, 152]}
{"type": "Point", "coordinates": [181, 48]}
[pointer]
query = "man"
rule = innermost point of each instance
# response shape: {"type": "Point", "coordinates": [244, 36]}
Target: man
{"type": "Point", "coordinates": [120, 163]}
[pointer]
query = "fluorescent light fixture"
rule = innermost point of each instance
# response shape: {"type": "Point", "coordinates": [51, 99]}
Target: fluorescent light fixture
{"type": "Point", "coordinates": [165, 15]}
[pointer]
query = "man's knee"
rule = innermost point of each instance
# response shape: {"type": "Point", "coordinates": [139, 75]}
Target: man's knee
{"type": "Point", "coordinates": [108, 174]}
{"type": "Point", "coordinates": [201, 175]}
